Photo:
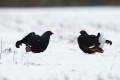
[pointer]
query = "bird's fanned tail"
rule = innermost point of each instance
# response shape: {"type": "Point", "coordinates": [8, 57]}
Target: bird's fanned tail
{"type": "Point", "coordinates": [102, 40]}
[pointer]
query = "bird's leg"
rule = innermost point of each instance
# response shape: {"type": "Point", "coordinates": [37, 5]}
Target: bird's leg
{"type": "Point", "coordinates": [28, 49]}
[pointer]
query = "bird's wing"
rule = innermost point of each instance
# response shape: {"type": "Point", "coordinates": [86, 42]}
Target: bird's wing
{"type": "Point", "coordinates": [97, 49]}
{"type": "Point", "coordinates": [34, 40]}
{"type": "Point", "coordinates": [86, 49]}
{"type": "Point", "coordinates": [25, 39]}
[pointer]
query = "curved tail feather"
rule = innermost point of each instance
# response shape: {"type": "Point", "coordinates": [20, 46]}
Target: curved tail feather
{"type": "Point", "coordinates": [18, 43]}
{"type": "Point", "coordinates": [108, 42]}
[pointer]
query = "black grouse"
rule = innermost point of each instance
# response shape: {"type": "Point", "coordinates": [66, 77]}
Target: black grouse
{"type": "Point", "coordinates": [35, 43]}
{"type": "Point", "coordinates": [90, 43]}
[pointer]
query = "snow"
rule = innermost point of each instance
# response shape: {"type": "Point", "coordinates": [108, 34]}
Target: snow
{"type": "Point", "coordinates": [63, 60]}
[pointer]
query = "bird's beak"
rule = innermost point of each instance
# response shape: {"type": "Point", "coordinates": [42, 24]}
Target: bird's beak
{"type": "Point", "coordinates": [52, 33]}
{"type": "Point", "coordinates": [81, 31]}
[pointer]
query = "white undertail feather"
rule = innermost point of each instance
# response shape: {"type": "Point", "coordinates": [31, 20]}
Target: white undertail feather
{"type": "Point", "coordinates": [102, 40]}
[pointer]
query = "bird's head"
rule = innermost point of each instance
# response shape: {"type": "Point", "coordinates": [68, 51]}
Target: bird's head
{"type": "Point", "coordinates": [82, 32]}
{"type": "Point", "coordinates": [49, 32]}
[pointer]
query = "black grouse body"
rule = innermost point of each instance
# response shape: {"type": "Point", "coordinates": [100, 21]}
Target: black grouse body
{"type": "Point", "coordinates": [35, 43]}
{"type": "Point", "coordinates": [90, 43]}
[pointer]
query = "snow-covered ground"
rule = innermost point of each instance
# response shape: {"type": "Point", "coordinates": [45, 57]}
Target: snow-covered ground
{"type": "Point", "coordinates": [63, 60]}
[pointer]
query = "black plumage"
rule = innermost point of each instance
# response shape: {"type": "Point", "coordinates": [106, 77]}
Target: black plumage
{"type": "Point", "coordinates": [35, 43]}
{"type": "Point", "coordinates": [90, 43]}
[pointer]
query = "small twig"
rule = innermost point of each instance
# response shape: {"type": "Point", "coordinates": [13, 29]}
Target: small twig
{"type": "Point", "coordinates": [113, 62]}
{"type": "Point", "coordinates": [14, 56]}
{"type": "Point", "coordinates": [1, 45]}
{"type": "Point", "coordinates": [1, 48]}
